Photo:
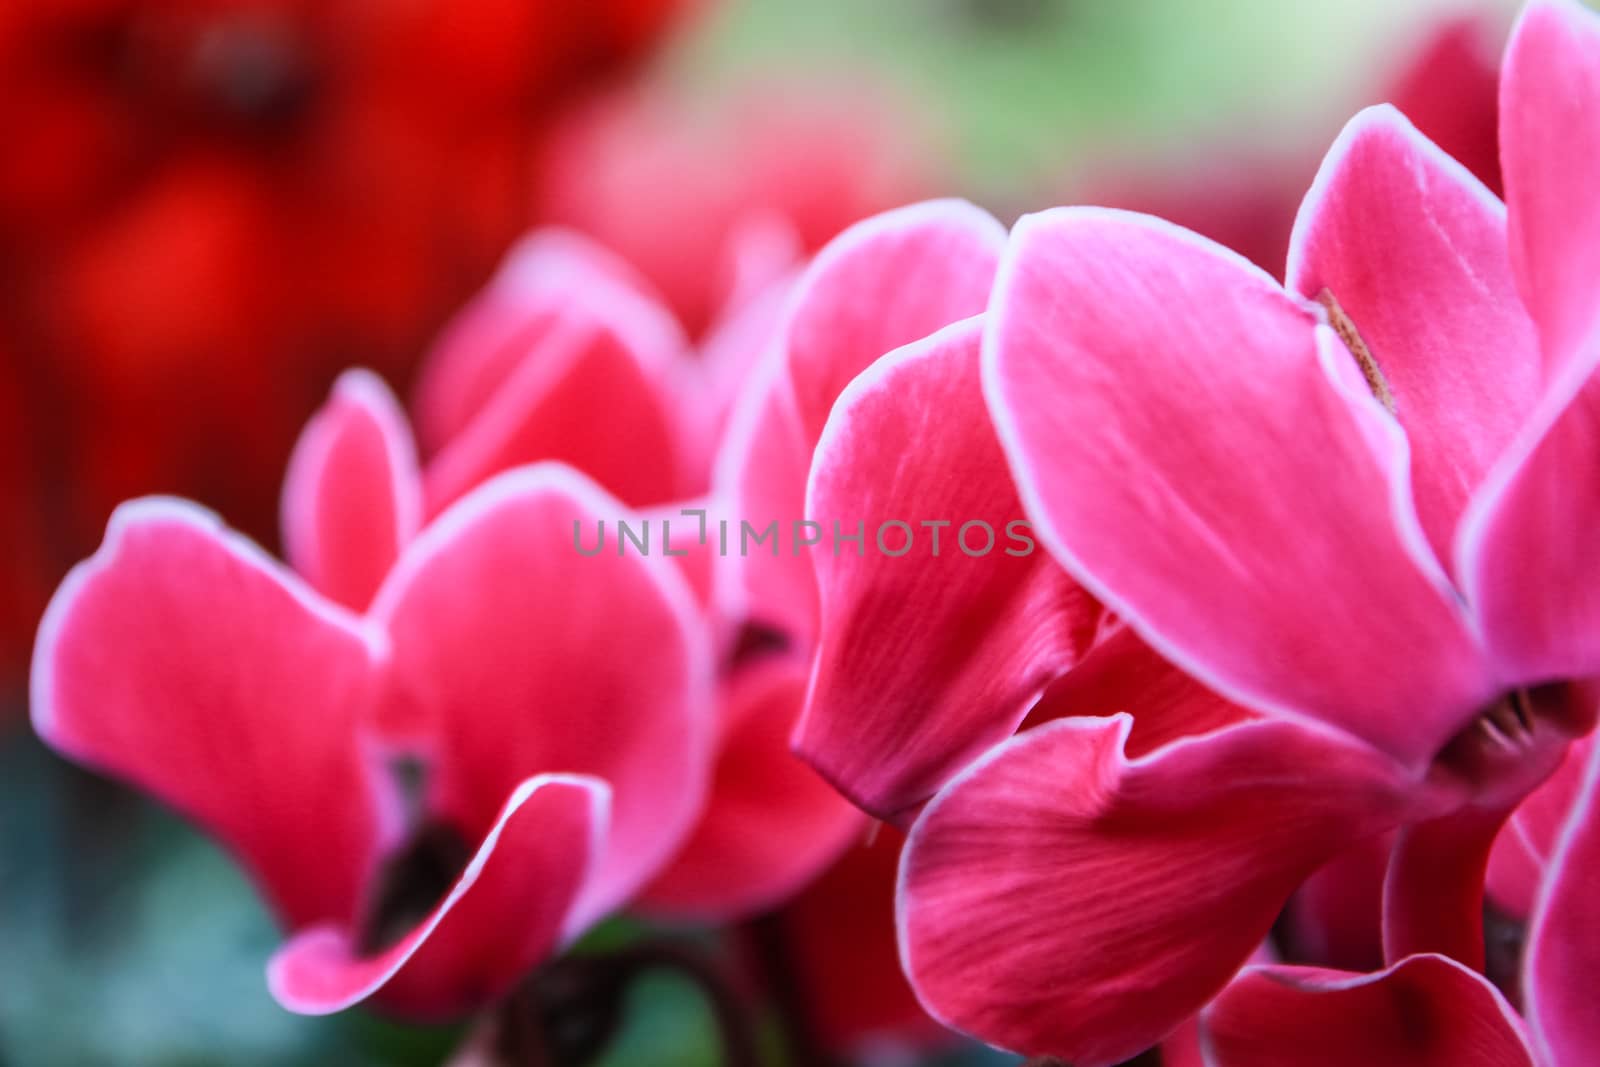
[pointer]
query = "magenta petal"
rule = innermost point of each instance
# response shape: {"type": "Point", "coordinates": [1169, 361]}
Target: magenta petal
{"type": "Point", "coordinates": [1204, 457]}
{"type": "Point", "coordinates": [723, 370]}
{"type": "Point", "coordinates": [1122, 673]}
{"type": "Point", "coordinates": [1563, 954]}
{"type": "Point", "coordinates": [1413, 248]}
{"type": "Point", "coordinates": [512, 655]}
{"type": "Point", "coordinates": [1550, 152]}
{"type": "Point", "coordinates": [1425, 1011]}
{"type": "Point", "coordinates": [181, 659]}
{"type": "Point", "coordinates": [590, 392]}
{"type": "Point", "coordinates": [1433, 891]}
{"type": "Point", "coordinates": [519, 311]}
{"type": "Point", "coordinates": [883, 283]}
{"type": "Point", "coordinates": [1183, 1048]}
{"type": "Point", "coordinates": [771, 825]}
{"type": "Point", "coordinates": [1058, 898]}
{"type": "Point", "coordinates": [1335, 918]}
{"type": "Point", "coordinates": [509, 910]}
{"type": "Point", "coordinates": [680, 530]}
{"type": "Point", "coordinates": [1522, 851]}
{"type": "Point", "coordinates": [888, 721]}
{"type": "Point", "coordinates": [352, 498]}
{"type": "Point", "coordinates": [761, 474]}
{"type": "Point", "coordinates": [1526, 551]}
{"type": "Point", "coordinates": [1511, 881]}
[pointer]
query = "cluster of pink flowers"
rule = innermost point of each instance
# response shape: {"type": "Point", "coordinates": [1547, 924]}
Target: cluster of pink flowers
{"type": "Point", "coordinates": [1304, 663]}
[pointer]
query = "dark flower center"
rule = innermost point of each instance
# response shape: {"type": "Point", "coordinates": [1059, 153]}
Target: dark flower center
{"type": "Point", "coordinates": [250, 72]}
{"type": "Point", "coordinates": [413, 878]}
{"type": "Point", "coordinates": [247, 75]}
{"type": "Point", "coordinates": [1515, 743]}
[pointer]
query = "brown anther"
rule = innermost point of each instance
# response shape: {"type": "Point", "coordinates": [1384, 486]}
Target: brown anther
{"type": "Point", "coordinates": [1346, 329]}
{"type": "Point", "coordinates": [1509, 719]}
{"type": "Point", "coordinates": [1512, 745]}
{"type": "Point", "coordinates": [1491, 729]}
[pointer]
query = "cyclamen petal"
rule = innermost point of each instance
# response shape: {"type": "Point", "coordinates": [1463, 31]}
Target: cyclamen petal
{"type": "Point", "coordinates": [890, 720]}
{"type": "Point", "coordinates": [1059, 898]}
{"type": "Point", "coordinates": [771, 825]}
{"type": "Point", "coordinates": [565, 356]}
{"type": "Point", "coordinates": [1201, 455]}
{"type": "Point", "coordinates": [761, 473]}
{"type": "Point", "coordinates": [1335, 918]}
{"type": "Point", "coordinates": [352, 498]}
{"type": "Point", "coordinates": [883, 283]}
{"type": "Point", "coordinates": [1123, 674]}
{"type": "Point", "coordinates": [480, 349]}
{"type": "Point", "coordinates": [1413, 248]}
{"type": "Point", "coordinates": [1425, 1011]}
{"type": "Point", "coordinates": [1526, 555]}
{"type": "Point", "coordinates": [582, 394]}
{"type": "Point", "coordinates": [181, 659]}
{"type": "Point", "coordinates": [512, 653]}
{"type": "Point", "coordinates": [510, 909]}
{"type": "Point", "coordinates": [1563, 949]}
{"type": "Point", "coordinates": [1522, 852]}
{"type": "Point", "coordinates": [1550, 152]}
{"type": "Point", "coordinates": [1433, 889]}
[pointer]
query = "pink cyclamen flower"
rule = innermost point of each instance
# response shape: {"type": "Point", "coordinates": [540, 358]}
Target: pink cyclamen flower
{"type": "Point", "coordinates": [867, 410]}
{"type": "Point", "coordinates": [567, 355]}
{"type": "Point", "coordinates": [886, 727]}
{"type": "Point", "coordinates": [1408, 595]}
{"type": "Point", "coordinates": [433, 796]}
{"type": "Point", "coordinates": [919, 662]}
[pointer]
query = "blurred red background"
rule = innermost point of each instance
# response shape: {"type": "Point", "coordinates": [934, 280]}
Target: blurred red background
{"type": "Point", "coordinates": [210, 207]}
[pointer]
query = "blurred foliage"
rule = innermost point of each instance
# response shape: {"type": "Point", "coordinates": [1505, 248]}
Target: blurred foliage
{"type": "Point", "coordinates": [1022, 92]}
{"type": "Point", "coordinates": [127, 939]}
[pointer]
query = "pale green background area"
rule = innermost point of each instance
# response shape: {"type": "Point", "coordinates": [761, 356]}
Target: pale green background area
{"type": "Point", "coordinates": [127, 939]}
{"type": "Point", "coordinates": [1023, 103]}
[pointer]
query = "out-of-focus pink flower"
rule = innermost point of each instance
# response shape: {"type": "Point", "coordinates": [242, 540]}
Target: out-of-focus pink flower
{"type": "Point", "coordinates": [1405, 592]}
{"type": "Point", "coordinates": [436, 794]}
{"type": "Point", "coordinates": [706, 201]}
{"type": "Point", "coordinates": [567, 355]}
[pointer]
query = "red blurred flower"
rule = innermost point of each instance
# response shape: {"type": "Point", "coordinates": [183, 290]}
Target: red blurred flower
{"type": "Point", "coordinates": [209, 206]}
